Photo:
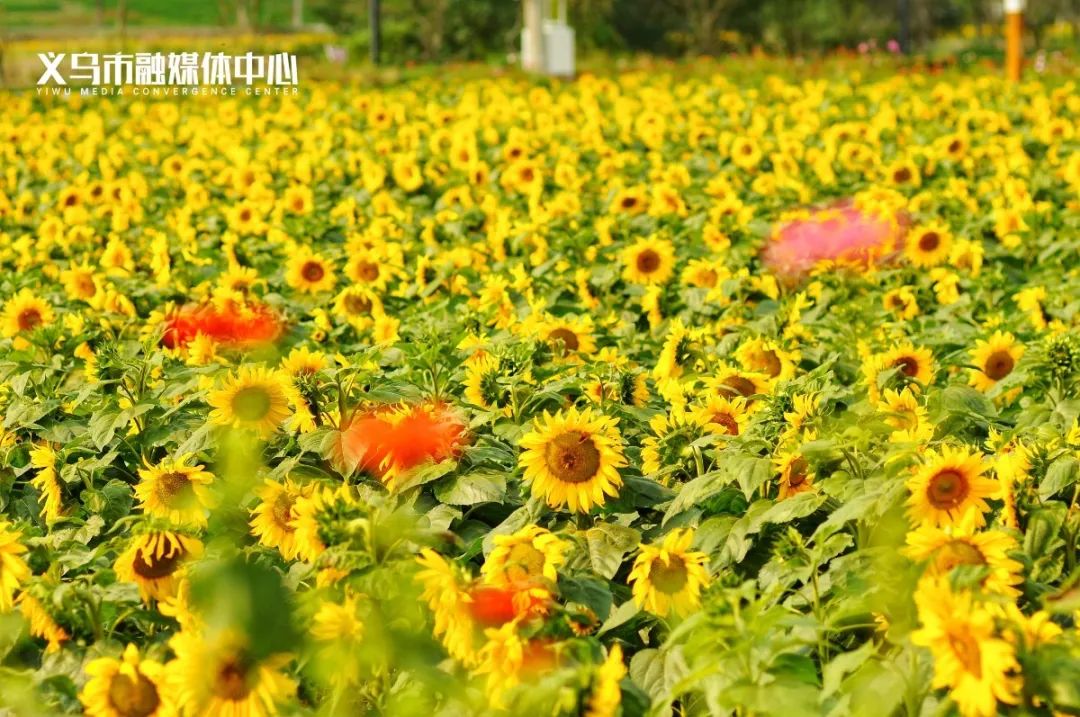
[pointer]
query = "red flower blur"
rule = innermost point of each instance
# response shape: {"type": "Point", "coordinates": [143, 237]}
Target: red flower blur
{"type": "Point", "coordinates": [388, 441]}
{"type": "Point", "coordinates": [842, 234]}
{"type": "Point", "coordinates": [231, 325]}
{"type": "Point", "coordinates": [496, 605]}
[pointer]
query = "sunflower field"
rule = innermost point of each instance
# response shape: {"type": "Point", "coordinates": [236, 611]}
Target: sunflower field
{"type": "Point", "coordinates": [475, 394]}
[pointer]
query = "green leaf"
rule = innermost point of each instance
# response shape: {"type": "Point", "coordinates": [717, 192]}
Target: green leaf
{"type": "Point", "coordinates": [249, 598]}
{"type": "Point", "coordinates": [472, 488]}
{"type": "Point", "coordinates": [102, 427]}
{"type": "Point", "coordinates": [695, 491]}
{"type": "Point", "coordinates": [608, 545]}
{"type": "Point", "coordinates": [797, 506]}
{"type": "Point", "coordinates": [1062, 473]}
{"type": "Point", "coordinates": [842, 665]}
{"type": "Point", "coordinates": [591, 592]}
{"type": "Point", "coordinates": [426, 474]}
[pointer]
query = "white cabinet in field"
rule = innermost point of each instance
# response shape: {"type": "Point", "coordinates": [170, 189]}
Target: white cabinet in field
{"type": "Point", "coordinates": [547, 42]}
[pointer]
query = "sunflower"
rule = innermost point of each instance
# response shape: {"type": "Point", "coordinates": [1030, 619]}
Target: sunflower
{"type": "Point", "coordinates": [903, 173]}
{"type": "Point", "coordinates": [948, 485]}
{"type": "Point", "coordinates": [906, 416]}
{"type": "Point", "coordinates": [310, 273]}
{"type": "Point", "coordinates": [763, 356]}
{"type": "Point", "coordinates": [238, 278]}
{"type": "Point", "coordinates": [154, 562]}
{"type": "Point", "coordinates": [128, 687]}
{"type": "Point", "coordinates": [25, 312]}
{"type": "Point", "coordinates": [507, 659]}
{"type": "Point", "coordinates": [569, 336]}
{"type": "Point", "coordinates": [42, 624]}
{"type": "Point", "coordinates": [218, 676]}
{"type": "Point", "coordinates": [272, 519]}
{"type": "Point", "coordinates": [81, 282]}
{"type": "Point", "coordinates": [731, 382]}
{"type": "Point", "coordinates": [572, 459]}
{"type": "Point", "coordinates": [793, 473]}
{"type": "Point", "coordinates": [667, 577]}
{"type": "Point", "coordinates": [928, 246]}
{"type": "Point", "coordinates": [323, 518]}
{"type": "Point", "coordinates": [964, 544]}
{"type": "Point", "coordinates": [649, 260]}
{"type": "Point", "coordinates": [338, 629]}
{"type": "Point", "coordinates": [368, 269]}
{"type": "Point", "coordinates": [704, 273]}
{"type": "Point", "coordinates": [912, 364]}
{"type": "Point", "coordinates": [994, 360]}
{"type": "Point", "coordinates": [482, 386]}
{"type": "Point", "coordinates": [624, 386]}
{"type": "Point", "coordinates": [47, 482]}
{"type": "Point", "coordinates": [254, 398]}
{"type": "Point", "coordinates": [630, 200]}
{"type": "Point", "coordinates": [901, 302]}
{"type": "Point", "coordinates": [525, 556]}
{"type": "Point", "coordinates": [176, 491]}
{"type": "Point", "coordinates": [13, 568]}
{"type": "Point", "coordinates": [668, 453]}
{"type": "Point", "coordinates": [606, 695]}
{"type": "Point", "coordinates": [681, 349]}
{"type": "Point", "coordinates": [745, 153]}
{"type": "Point", "coordinates": [970, 658]}
{"type": "Point", "coordinates": [443, 589]}
{"type": "Point", "coordinates": [359, 306]}
{"type": "Point", "coordinates": [721, 415]}
{"type": "Point", "coordinates": [302, 361]}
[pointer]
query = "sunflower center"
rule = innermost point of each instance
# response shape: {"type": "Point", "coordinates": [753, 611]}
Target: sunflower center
{"type": "Point", "coordinates": [947, 489]}
{"type": "Point", "coordinates": [999, 365]}
{"type": "Point", "coordinates": [524, 561]}
{"type": "Point", "coordinates": [629, 202]}
{"type": "Point", "coordinates": [738, 386]}
{"type": "Point", "coordinates": [770, 363]}
{"type": "Point", "coordinates": [966, 649]}
{"type": "Point", "coordinates": [231, 680]}
{"type": "Point", "coordinates": [367, 271]}
{"type": "Point", "coordinates": [283, 512]}
{"type": "Point", "coordinates": [173, 485]}
{"type": "Point", "coordinates": [312, 271]}
{"type": "Point", "coordinates": [567, 337]}
{"type": "Point", "coordinates": [670, 577]}
{"type": "Point", "coordinates": [958, 552]}
{"type": "Point", "coordinates": [648, 261]}
{"type": "Point", "coordinates": [929, 241]}
{"type": "Point", "coordinates": [908, 366]}
{"type": "Point", "coordinates": [245, 215]}
{"type": "Point", "coordinates": [902, 175]}
{"type": "Point", "coordinates": [133, 697]}
{"type": "Point", "coordinates": [29, 319]}
{"type": "Point", "coordinates": [251, 403]}
{"type": "Point", "coordinates": [160, 568]}
{"type": "Point", "coordinates": [731, 426]}
{"type": "Point", "coordinates": [798, 472]}
{"type": "Point", "coordinates": [357, 304]}
{"type": "Point", "coordinates": [708, 278]}
{"type": "Point", "coordinates": [573, 457]}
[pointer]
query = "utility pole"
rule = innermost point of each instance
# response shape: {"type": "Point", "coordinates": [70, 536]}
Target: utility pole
{"type": "Point", "coordinates": [373, 24]}
{"type": "Point", "coordinates": [532, 39]}
{"type": "Point", "coordinates": [1014, 39]}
